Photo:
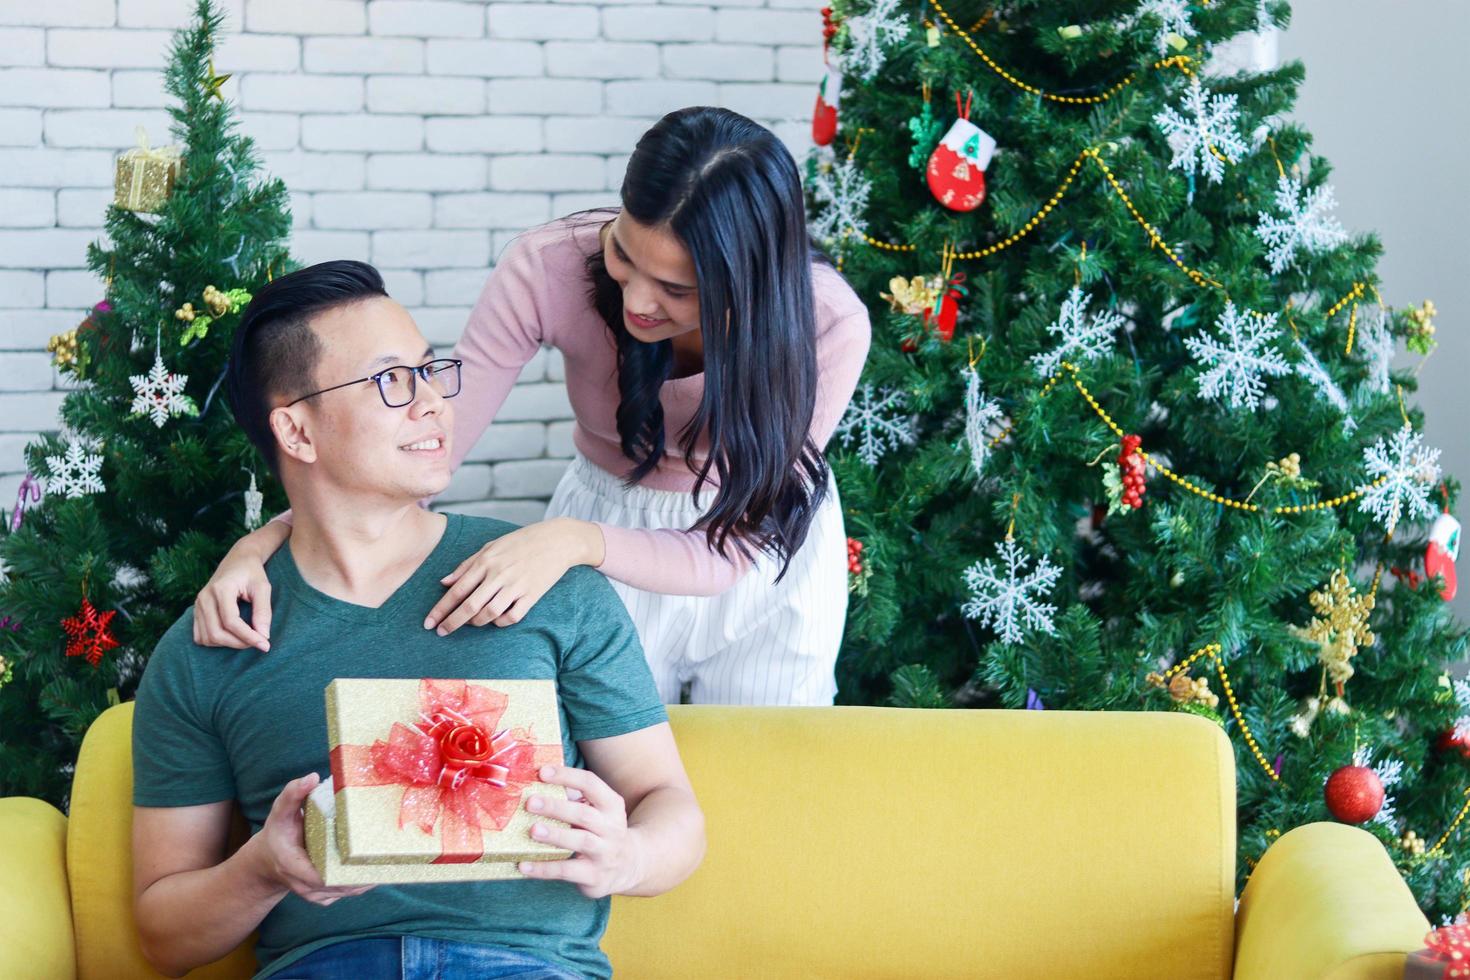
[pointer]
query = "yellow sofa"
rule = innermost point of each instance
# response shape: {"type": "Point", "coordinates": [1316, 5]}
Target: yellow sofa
{"type": "Point", "coordinates": [869, 842]}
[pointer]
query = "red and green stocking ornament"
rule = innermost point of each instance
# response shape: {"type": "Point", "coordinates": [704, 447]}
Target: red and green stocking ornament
{"type": "Point", "coordinates": [1441, 553]}
{"type": "Point", "coordinates": [829, 90]}
{"type": "Point", "coordinates": [956, 171]}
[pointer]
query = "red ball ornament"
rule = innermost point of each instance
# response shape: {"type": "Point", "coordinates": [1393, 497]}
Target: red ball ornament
{"type": "Point", "coordinates": [956, 171]}
{"type": "Point", "coordinates": [1354, 794]}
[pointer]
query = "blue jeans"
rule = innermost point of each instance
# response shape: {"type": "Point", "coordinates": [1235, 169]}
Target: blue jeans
{"type": "Point", "coordinates": [418, 958]}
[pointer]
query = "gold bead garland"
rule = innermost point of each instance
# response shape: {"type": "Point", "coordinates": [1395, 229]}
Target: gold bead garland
{"type": "Point", "coordinates": [1212, 651]}
{"type": "Point", "coordinates": [1155, 239]}
{"type": "Point", "coordinates": [1181, 62]}
{"type": "Point", "coordinates": [1191, 487]}
{"type": "Point", "coordinates": [1435, 850]}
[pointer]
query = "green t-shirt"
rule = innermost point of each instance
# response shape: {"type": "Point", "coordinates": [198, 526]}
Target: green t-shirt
{"type": "Point", "coordinates": [217, 724]}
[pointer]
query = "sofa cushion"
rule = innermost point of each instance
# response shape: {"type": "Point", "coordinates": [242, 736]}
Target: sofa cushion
{"type": "Point", "coordinates": [880, 842]}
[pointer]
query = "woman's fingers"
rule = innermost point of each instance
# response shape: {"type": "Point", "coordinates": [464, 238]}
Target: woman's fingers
{"type": "Point", "coordinates": [203, 616]}
{"type": "Point", "coordinates": [472, 604]}
{"type": "Point", "coordinates": [236, 633]}
{"type": "Point", "coordinates": [453, 576]}
{"type": "Point", "coordinates": [260, 609]}
{"type": "Point", "coordinates": [502, 600]}
{"type": "Point", "coordinates": [512, 615]}
{"type": "Point", "coordinates": [452, 599]}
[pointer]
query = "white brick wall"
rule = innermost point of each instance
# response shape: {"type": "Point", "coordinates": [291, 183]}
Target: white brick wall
{"type": "Point", "coordinates": [418, 134]}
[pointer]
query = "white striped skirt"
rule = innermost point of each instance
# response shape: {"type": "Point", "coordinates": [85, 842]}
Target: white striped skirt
{"type": "Point", "coordinates": [759, 642]}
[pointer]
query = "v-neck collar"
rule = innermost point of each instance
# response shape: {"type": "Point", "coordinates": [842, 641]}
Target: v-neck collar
{"type": "Point", "coordinates": [295, 582]}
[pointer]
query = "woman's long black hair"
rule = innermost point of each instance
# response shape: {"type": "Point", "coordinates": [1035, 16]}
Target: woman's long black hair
{"type": "Point", "coordinates": [729, 190]}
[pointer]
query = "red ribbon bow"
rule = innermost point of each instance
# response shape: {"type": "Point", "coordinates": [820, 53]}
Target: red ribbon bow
{"type": "Point", "coordinates": [946, 310]}
{"type": "Point", "coordinates": [453, 763]}
{"type": "Point", "coordinates": [1451, 944]}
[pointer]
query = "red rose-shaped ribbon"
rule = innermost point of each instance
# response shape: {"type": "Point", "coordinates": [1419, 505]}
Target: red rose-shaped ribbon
{"type": "Point", "coordinates": [453, 763]}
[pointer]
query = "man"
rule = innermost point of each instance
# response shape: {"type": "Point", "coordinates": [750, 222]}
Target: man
{"type": "Point", "coordinates": [335, 385]}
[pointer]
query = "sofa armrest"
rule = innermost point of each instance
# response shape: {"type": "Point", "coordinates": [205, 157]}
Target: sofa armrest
{"type": "Point", "coordinates": [36, 929]}
{"type": "Point", "coordinates": [1326, 901]}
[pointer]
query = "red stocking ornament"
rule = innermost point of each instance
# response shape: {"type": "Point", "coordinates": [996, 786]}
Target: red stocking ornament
{"type": "Point", "coordinates": [1441, 553]}
{"type": "Point", "coordinates": [824, 116]}
{"type": "Point", "coordinates": [956, 170]}
{"type": "Point", "coordinates": [829, 91]}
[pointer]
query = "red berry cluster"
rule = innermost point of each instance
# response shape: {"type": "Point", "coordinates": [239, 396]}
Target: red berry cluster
{"type": "Point", "coordinates": [854, 556]}
{"type": "Point", "coordinates": [829, 26]}
{"type": "Point", "coordinates": [1134, 476]}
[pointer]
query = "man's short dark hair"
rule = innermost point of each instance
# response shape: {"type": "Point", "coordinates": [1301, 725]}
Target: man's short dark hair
{"type": "Point", "coordinates": [275, 351]}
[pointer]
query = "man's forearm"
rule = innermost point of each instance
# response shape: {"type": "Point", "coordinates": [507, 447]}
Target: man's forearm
{"type": "Point", "coordinates": [195, 917]}
{"type": "Point", "coordinates": [670, 829]}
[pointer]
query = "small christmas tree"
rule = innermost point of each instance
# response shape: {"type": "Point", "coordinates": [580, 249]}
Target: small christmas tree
{"type": "Point", "coordinates": [1129, 437]}
{"type": "Point", "coordinates": [150, 480]}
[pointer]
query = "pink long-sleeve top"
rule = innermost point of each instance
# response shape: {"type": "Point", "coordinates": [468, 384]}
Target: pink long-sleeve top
{"type": "Point", "coordinates": [539, 294]}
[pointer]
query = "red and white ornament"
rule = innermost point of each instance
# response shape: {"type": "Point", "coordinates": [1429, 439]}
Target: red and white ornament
{"type": "Point", "coordinates": [1442, 552]}
{"type": "Point", "coordinates": [1449, 740]}
{"type": "Point", "coordinates": [1354, 794]}
{"type": "Point", "coordinates": [829, 90]}
{"type": "Point", "coordinates": [824, 116]}
{"type": "Point", "coordinates": [956, 172]}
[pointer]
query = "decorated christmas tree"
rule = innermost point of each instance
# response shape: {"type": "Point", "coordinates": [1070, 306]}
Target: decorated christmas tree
{"type": "Point", "coordinates": [149, 480]}
{"type": "Point", "coordinates": [1130, 436]}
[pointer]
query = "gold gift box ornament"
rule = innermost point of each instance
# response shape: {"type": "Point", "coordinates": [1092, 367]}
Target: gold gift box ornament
{"type": "Point", "coordinates": [429, 779]}
{"type": "Point", "coordinates": [146, 175]}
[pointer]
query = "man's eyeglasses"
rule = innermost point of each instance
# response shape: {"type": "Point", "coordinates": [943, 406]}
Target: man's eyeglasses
{"type": "Point", "coordinates": [399, 384]}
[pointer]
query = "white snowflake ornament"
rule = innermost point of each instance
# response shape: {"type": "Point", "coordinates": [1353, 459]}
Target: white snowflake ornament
{"type": "Point", "coordinates": [842, 191]}
{"type": "Point", "coordinates": [1082, 339]}
{"type": "Point", "coordinates": [1304, 224]}
{"type": "Point", "coordinates": [1408, 470]}
{"type": "Point", "coordinates": [877, 424]}
{"type": "Point", "coordinates": [1203, 137]}
{"type": "Point", "coordinates": [76, 473]}
{"type": "Point", "coordinates": [1316, 375]}
{"type": "Point", "coordinates": [1375, 346]}
{"type": "Point", "coordinates": [1462, 699]}
{"type": "Point", "coordinates": [1173, 18]}
{"type": "Point", "coordinates": [1236, 368]}
{"type": "Point", "coordinates": [1010, 598]}
{"type": "Point", "coordinates": [160, 394]}
{"type": "Point", "coordinates": [870, 35]}
{"type": "Point", "coordinates": [982, 413]}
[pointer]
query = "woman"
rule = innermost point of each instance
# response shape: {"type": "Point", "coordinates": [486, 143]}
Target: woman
{"type": "Point", "coordinates": [709, 356]}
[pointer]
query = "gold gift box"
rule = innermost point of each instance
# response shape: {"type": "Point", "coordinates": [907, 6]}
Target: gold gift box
{"type": "Point", "coordinates": [359, 828]}
{"type": "Point", "coordinates": [145, 176]}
